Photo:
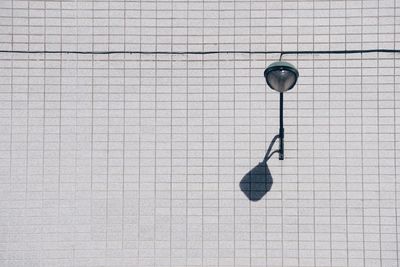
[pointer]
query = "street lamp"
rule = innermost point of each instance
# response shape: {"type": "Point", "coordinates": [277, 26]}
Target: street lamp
{"type": "Point", "coordinates": [281, 76]}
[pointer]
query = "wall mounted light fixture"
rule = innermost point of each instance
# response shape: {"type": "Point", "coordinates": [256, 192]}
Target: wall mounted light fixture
{"type": "Point", "coordinates": [281, 76]}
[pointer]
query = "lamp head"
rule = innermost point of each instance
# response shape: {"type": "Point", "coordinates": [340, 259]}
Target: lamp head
{"type": "Point", "coordinates": [281, 76]}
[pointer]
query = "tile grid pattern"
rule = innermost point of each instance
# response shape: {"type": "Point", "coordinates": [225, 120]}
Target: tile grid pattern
{"type": "Point", "coordinates": [135, 160]}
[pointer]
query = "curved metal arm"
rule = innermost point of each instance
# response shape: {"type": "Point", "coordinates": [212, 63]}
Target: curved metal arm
{"type": "Point", "coordinates": [275, 151]}
{"type": "Point", "coordinates": [268, 155]}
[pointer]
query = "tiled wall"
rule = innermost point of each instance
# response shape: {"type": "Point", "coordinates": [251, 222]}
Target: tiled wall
{"type": "Point", "coordinates": [136, 160]}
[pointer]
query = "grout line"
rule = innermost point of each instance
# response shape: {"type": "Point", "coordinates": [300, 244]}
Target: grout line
{"type": "Point", "coordinates": [297, 148]}
{"type": "Point", "coordinates": [379, 143]}
{"type": "Point", "coordinates": [44, 125]}
{"type": "Point", "coordinates": [108, 139]}
{"type": "Point", "coordinates": [123, 142]}
{"type": "Point", "coordinates": [362, 150]}
{"type": "Point", "coordinates": [92, 124]}
{"type": "Point", "coordinates": [60, 84]}
{"type": "Point", "coordinates": [395, 140]}
{"type": "Point", "coordinates": [202, 141]}
{"type": "Point", "coordinates": [155, 144]}
{"type": "Point", "coordinates": [27, 128]}
{"type": "Point", "coordinates": [140, 139]}
{"type": "Point", "coordinates": [234, 135]}
{"type": "Point", "coordinates": [313, 138]}
{"type": "Point", "coordinates": [171, 77]}
{"type": "Point", "coordinates": [266, 136]}
{"type": "Point", "coordinates": [218, 136]}
{"type": "Point", "coordinates": [76, 147]}
{"type": "Point", "coordinates": [345, 145]}
{"type": "Point", "coordinates": [329, 143]}
{"type": "Point", "coordinates": [250, 133]}
{"type": "Point", "coordinates": [187, 132]}
{"type": "Point", "coordinates": [11, 173]}
{"type": "Point", "coordinates": [282, 201]}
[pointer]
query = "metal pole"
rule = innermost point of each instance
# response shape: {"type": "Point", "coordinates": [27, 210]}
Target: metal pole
{"type": "Point", "coordinates": [281, 130]}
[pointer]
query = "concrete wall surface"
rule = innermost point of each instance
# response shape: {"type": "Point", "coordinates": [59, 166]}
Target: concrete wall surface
{"type": "Point", "coordinates": [131, 159]}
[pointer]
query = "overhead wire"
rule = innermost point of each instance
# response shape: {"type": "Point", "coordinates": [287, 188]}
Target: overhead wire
{"type": "Point", "coordinates": [211, 52]}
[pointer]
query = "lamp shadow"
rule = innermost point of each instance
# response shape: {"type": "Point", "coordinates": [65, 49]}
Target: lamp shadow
{"type": "Point", "coordinates": [258, 181]}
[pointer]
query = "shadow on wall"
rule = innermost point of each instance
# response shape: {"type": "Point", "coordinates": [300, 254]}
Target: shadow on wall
{"type": "Point", "coordinates": [258, 181]}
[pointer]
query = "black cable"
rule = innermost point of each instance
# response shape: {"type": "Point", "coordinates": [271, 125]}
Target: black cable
{"type": "Point", "coordinates": [364, 51]}
{"type": "Point", "coordinates": [298, 52]}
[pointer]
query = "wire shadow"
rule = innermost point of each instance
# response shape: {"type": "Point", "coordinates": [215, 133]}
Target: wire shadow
{"type": "Point", "coordinates": [258, 181]}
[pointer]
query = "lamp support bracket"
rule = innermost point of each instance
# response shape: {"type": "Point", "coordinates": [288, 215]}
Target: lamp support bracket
{"type": "Point", "coordinates": [281, 129]}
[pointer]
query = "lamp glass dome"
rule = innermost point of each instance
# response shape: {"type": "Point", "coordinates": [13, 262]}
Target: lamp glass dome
{"type": "Point", "coordinates": [281, 76]}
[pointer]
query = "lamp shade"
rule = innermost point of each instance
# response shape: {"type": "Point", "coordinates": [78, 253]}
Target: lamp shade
{"type": "Point", "coordinates": [281, 76]}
